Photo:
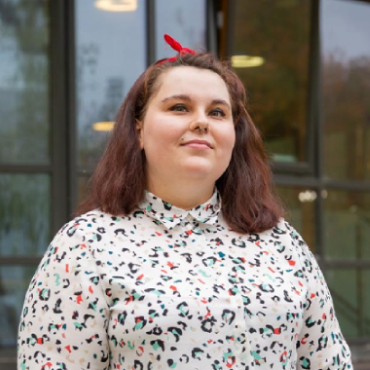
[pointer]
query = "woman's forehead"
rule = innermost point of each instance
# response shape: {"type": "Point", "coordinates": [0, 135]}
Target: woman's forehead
{"type": "Point", "coordinates": [191, 81]}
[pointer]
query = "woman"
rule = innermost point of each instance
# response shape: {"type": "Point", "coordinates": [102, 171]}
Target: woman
{"type": "Point", "coordinates": [180, 257]}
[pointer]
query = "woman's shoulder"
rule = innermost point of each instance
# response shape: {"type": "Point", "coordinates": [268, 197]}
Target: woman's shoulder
{"type": "Point", "coordinates": [294, 243]}
{"type": "Point", "coordinates": [281, 230]}
{"type": "Point", "coordinates": [99, 220]}
{"type": "Point", "coordinates": [285, 228]}
{"type": "Point", "coordinates": [82, 230]}
{"type": "Point", "coordinates": [285, 238]}
{"type": "Point", "coordinates": [86, 222]}
{"type": "Point", "coordinates": [84, 236]}
{"type": "Point", "coordinates": [97, 227]}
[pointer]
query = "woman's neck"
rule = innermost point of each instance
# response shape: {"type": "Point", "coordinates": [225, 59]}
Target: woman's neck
{"type": "Point", "coordinates": [184, 196]}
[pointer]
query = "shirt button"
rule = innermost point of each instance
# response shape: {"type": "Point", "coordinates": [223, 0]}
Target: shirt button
{"type": "Point", "coordinates": [217, 207]}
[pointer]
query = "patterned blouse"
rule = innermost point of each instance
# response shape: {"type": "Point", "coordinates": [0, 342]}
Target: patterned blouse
{"type": "Point", "coordinates": [165, 288]}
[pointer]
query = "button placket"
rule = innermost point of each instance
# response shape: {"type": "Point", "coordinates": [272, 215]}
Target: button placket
{"type": "Point", "coordinates": [240, 337]}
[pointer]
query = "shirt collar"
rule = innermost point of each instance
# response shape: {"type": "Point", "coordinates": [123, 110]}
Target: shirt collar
{"type": "Point", "coordinates": [170, 215]}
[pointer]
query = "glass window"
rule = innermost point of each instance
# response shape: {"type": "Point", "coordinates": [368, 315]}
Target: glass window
{"type": "Point", "coordinates": [82, 187]}
{"type": "Point", "coordinates": [271, 48]}
{"type": "Point", "coordinates": [14, 281]}
{"type": "Point", "coordinates": [300, 203]}
{"type": "Point", "coordinates": [110, 56]}
{"type": "Point", "coordinates": [347, 224]}
{"type": "Point", "coordinates": [345, 30]}
{"type": "Point", "coordinates": [350, 290]}
{"type": "Point", "coordinates": [24, 82]}
{"type": "Point", "coordinates": [24, 214]}
{"type": "Point", "coordinates": [184, 20]}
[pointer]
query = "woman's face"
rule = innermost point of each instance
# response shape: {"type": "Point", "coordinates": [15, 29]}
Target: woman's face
{"type": "Point", "coordinates": [188, 129]}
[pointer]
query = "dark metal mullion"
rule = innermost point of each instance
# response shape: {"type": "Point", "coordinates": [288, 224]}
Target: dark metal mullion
{"type": "Point", "coordinates": [347, 185]}
{"type": "Point", "coordinates": [71, 124]}
{"type": "Point", "coordinates": [318, 129]}
{"type": "Point", "coordinates": [337, 263]}
{"type": "Point", "coordinates": [320, 183]}
{"type": "Point", "coordinates": [359, 341]}
{"type": "Point", "coordinates": [307, 182]}
{"type": "Point", "coordinates": [20, 260]}
{"type": "Point", "coordinates": [150, 32]}
{"type": "Point", "coordinates": [300, 168]}
{"type": "Point", "coordinates": [29, 169]}
{"type": "Point", "coordinates": [229, 25]}
{"type": "Point", "coordinates": [211, 26]}
{"type": "Point", "coordinates": [313, 88]}
{"type": "Point", "coordinates": [58, 117]}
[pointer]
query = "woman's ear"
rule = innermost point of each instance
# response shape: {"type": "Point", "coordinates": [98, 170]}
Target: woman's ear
{"type": "Point", "coordinates": [140, 132]}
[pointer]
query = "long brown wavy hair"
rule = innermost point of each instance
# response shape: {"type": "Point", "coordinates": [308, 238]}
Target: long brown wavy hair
{"type": "Point", "coordinates": [249, 204]}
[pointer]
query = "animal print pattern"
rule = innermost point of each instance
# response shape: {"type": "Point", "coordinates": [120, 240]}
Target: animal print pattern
{"type": "Point", "coordinates": [165, 288]}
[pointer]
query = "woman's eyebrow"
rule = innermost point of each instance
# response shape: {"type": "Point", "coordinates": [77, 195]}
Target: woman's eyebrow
{"type": "Point", "coordinates": [221, 101]}
{"type": "Point", "coordinates": [188, 99]}
{"type": "Point", "coordinates": [179, 97]}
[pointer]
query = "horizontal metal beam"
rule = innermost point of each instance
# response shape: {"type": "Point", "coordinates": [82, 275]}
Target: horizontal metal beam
{"type": "Point", "coordinates": [24, 168]}
{"type": "Point", "coordinates": [305, 182]}
{"type": "Point", "coordinates": [301, 168]}
{"type": "Point", "coordinates": [336, 263]}
{"type": "Point", "coordinates": [20, 260]}
{"type": "Point", "coordinates": [347, 185]}
{"type": "Point", "coordinates": [312, 182]}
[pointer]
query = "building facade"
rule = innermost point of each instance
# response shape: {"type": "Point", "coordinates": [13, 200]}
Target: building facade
{"type": "Point", "coordinates": [66, 66]}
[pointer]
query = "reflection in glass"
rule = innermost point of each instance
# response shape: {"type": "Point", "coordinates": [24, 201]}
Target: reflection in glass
{"type": "Point", "coordinates": [345, 30]}
{"type": "Point", "coordinates": [350, 290]}
{"type": "Point", "coordinates": [110, 56]}
{"type": "Point", "coordinates": [300, 203]}
{"type": "Point", "coordinates": [271, 56]}
{"type": "Point", "coordinates": [24, 214]}
{"type": "Point", "coordinates": [184, 20]}
{"type": "Point", "coordinates": [24, 82]}
{"type": "Point", "coordinates": [14, 281]}
{"type": "Point", "coordinates": [347, 224]}
{"type": "Point", "coordinates": [116, 5]}
{"type": "Point", "coordinates": [82, 187]}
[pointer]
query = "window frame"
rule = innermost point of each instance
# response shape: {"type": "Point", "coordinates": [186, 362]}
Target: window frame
{"type": "Point", "coordinates": [63, 169]}
{"type": "Point", "coordinates": [226, 32]}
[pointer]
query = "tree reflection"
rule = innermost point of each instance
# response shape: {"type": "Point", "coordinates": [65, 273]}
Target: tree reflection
{"type": "Point", "coordinates": [91, 108]}
{"type": "Point", "coordinates": [278, 90]}
{"type": "Point", "coordinates": [24, 128]}
{"type": "Point", "coordinates": [346, 103]}
{"type": "Point", "coordinates": [24, 82]}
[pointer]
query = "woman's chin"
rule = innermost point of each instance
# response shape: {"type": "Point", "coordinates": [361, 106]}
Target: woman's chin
{"type": "Point", "coordinates": [200, 170]}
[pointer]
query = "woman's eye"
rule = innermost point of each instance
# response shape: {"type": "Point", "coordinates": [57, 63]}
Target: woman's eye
{"type": "Point", "coordinates": [217, 113]}
{"type": "Point", "coordinates": [179, 108]}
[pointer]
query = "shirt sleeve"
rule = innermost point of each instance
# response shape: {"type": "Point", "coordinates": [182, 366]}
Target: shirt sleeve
{"type": "Point", "coordinates": [65, 315]}
{"type": "Point", "coordinates": [321, 345]}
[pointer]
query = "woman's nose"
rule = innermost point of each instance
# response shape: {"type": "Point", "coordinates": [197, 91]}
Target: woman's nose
{"type": "Point", "coordinates": [202, 127]}
{"type": "Point", "coordinates": [200, 123]}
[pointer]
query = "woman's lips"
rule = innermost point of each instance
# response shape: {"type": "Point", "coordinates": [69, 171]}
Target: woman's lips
{"type": "Point", "coordinates": [197, 146]}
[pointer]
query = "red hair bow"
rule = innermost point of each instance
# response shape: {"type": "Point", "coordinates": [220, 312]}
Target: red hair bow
{"type": "Point", "coordinates": [175, 45]}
